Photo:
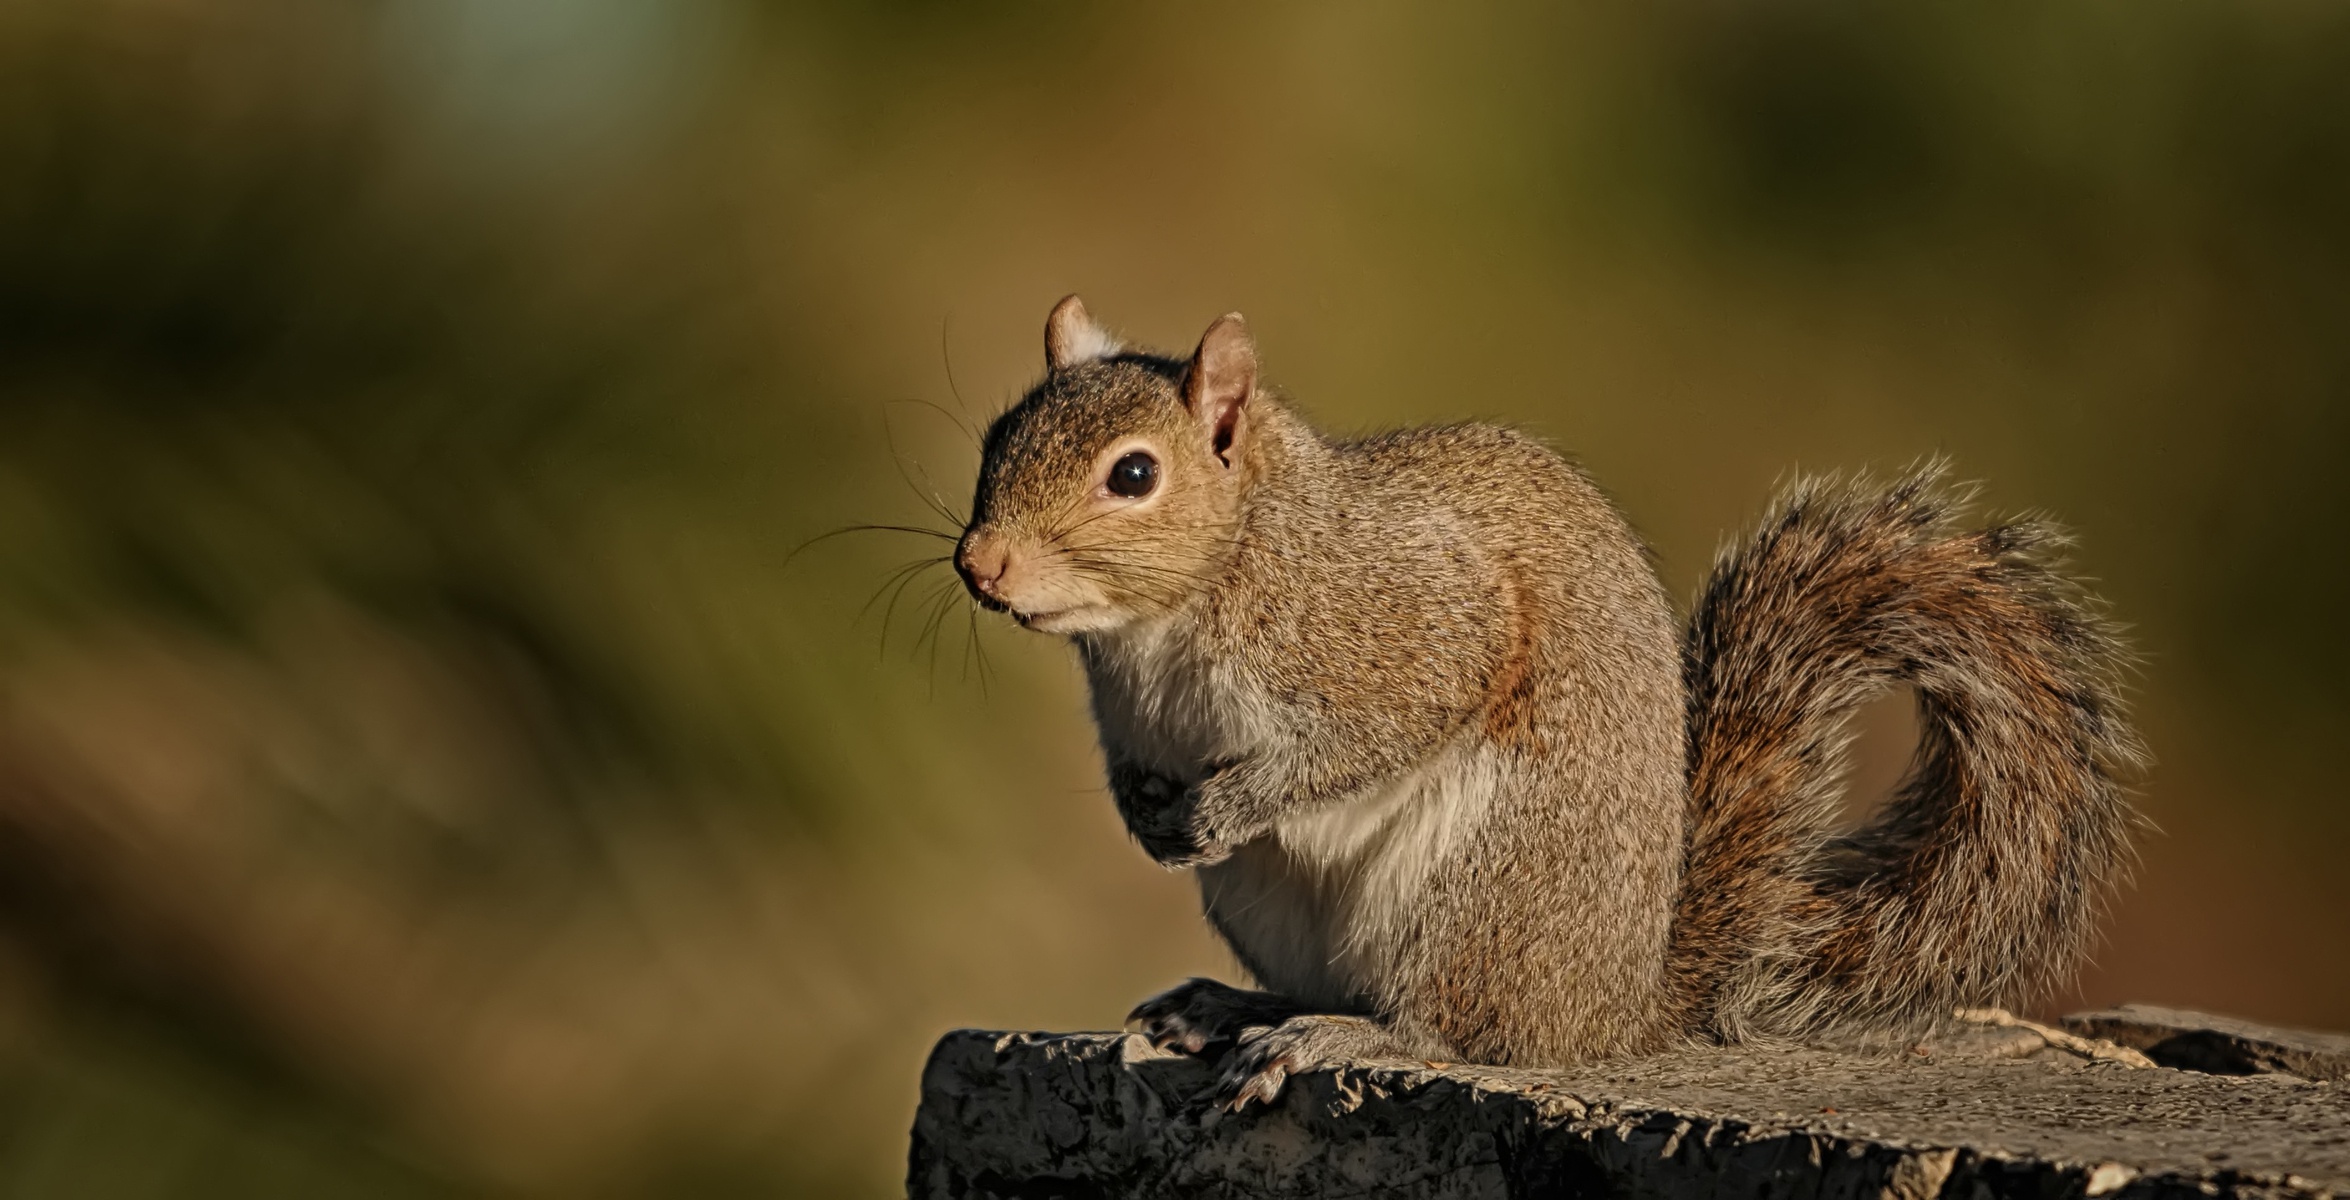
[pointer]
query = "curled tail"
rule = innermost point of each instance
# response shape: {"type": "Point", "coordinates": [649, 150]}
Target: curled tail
{"type": "Point", "coordinates": [1980, 881]}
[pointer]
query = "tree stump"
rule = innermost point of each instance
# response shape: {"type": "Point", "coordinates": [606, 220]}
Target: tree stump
{"type": "Point", "coordinates": [1975, 1112]}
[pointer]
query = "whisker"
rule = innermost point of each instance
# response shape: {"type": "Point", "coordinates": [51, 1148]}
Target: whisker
{"type": "Point", "coordinates": [979, 646]}
{"type": "Point", "coordinates": [1062, 533]}
{"type": "Point", "coordinates": [1112, 552]}
{"type": "Point", "coordinates": [924, 491]}
{"type": "Point", "coordinates": [890, 611]}
{"type": "Point", "coordinates": [1162, 547]}
{"type": "Point", "coordinates": [960, 427]}
{"type": "Point", "coordinates": [973, 652]}
{"type": "Point", "coordinates": [932, 489]}
{"type": "Point", "coordinates": [907, 568]}
{"type": "Point", "coordinates": [849, 529]}
{"type": "Point", "coordinates": [1155, 589]}
{"type": "Point", "coordinates": [1142, 539]}
{"type": "Point", "coordinates": [900, 576]}
{"type": "Point", "coordinates": [946, 356]}
{"type": "Point", "coordinates": [1065, 510]}
{"type": "Point", "coordinates": [940, 605]}
{"type": "Point", "coordinates": [1139, 569]}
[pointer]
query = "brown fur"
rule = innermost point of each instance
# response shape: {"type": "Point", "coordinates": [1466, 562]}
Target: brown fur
{"type": "Point", "coordinates": [1979, 883]}
{"type": "Point", "coordinates": [1416, 708]}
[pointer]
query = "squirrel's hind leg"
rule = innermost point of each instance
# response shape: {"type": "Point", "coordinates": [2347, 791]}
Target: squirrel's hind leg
{"type": "Point", "coordinates": [1266, 1058]}
{"type": "Point", "coordinates": [1199, 1014]}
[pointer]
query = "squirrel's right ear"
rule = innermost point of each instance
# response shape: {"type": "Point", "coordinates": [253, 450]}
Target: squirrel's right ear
{"type": "Point", "coordinates": [1071, 337]}
{"type": "Point", "coordinates": [1222, 377]}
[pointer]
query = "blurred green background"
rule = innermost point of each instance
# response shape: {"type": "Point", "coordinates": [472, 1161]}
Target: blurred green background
{"type": "Point", "coordinates": [423, 773]}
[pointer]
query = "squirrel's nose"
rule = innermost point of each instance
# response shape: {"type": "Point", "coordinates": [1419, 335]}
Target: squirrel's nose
{"type": "Point", "coordinates": [981, 558]}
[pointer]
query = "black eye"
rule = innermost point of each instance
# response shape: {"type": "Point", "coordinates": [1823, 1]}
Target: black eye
{"type": "Point", "coordinates": [1134, 475]}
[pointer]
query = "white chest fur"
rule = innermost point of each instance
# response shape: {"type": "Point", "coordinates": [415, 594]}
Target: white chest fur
{"type": "Point", "coordinates": [1322, 909]}
{"type": "Point", "coordinates": [1162, 706]}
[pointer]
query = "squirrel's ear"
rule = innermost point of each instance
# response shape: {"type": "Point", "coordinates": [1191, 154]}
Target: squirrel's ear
{"type": "Point", "coordinates": [1223, 376]}
{"type": "Point", "coordinates": [1071, 337]}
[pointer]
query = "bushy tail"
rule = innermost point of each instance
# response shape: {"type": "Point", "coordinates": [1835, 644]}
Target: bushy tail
{"type": "Point", "coordinates": [1980, 881]}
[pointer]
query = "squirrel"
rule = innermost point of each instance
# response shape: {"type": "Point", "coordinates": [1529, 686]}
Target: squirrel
{"type": "Point", "coordinates": [1457, 785]}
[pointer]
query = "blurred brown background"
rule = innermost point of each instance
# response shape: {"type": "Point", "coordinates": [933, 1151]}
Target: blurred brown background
{"type": "Point", "coordinates": [422, 773]}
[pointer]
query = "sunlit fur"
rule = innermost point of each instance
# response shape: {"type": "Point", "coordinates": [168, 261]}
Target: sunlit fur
{"type": "Point", "coordinates": [1368, 665]}
{"type": "Point", "coordinates": [1980, 883]}
{"type": "Point", "coordinates": [1083, 560]}
{"type": "Point", "coordinates": [1456, 784]}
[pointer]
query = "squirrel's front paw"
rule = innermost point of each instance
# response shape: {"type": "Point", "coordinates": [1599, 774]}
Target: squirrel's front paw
{"type": "Point", "coordinates": [1199, 1013]}
{"type": "Point", "coordinates": [1267, 1057]}
{"type": "Point", "coordinates": [1163, 835]}
{"type": "Point", "coordinates": [1159, 812]}
{"type": "Point", "coordinates": [1177, 825]}
{"type": "Point", "coordinates": [1176, 848]}
{"type": "Point", "coordinates": [1173, 836]}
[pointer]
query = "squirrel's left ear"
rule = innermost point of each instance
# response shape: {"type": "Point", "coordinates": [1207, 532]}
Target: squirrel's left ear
{"type": "Point", "coordinates": [1223, 376]}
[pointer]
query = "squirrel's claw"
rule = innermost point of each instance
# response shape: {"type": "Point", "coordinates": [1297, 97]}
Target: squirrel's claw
{"type": "Point", "coordinates": [1267, 1056]}
{"type": "Point", "coordinates": [1197, 1014]}
{"type": "Point", "coordinates": [1167, 1031]}
{"type": "Point", "coordinates": [1261, 1083]}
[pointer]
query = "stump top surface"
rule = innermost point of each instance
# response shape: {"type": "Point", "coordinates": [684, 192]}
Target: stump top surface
{"type": "Point", "coordinates": [1097, 1106]}
{"type": "Point", "coordinates": [2048, 1107]}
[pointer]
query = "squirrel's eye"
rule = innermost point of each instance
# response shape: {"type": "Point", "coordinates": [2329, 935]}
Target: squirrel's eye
{"type": "Point", "coordinates": [1134, 475]}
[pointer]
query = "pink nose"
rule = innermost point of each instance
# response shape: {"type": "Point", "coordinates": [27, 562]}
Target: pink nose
{"type": "Point", "coordinates": [981, 558]}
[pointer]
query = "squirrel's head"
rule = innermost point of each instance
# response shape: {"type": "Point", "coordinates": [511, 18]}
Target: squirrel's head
{"type": "Point", "coordinates": [1113, 490]}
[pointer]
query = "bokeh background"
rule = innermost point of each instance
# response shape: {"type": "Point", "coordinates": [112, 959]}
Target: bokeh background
{"type": "Point", "coordinates": [425, 769]}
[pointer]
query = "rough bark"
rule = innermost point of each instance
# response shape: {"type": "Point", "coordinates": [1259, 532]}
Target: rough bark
{"type": "Point", "coordinates": [1971, 1114]}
